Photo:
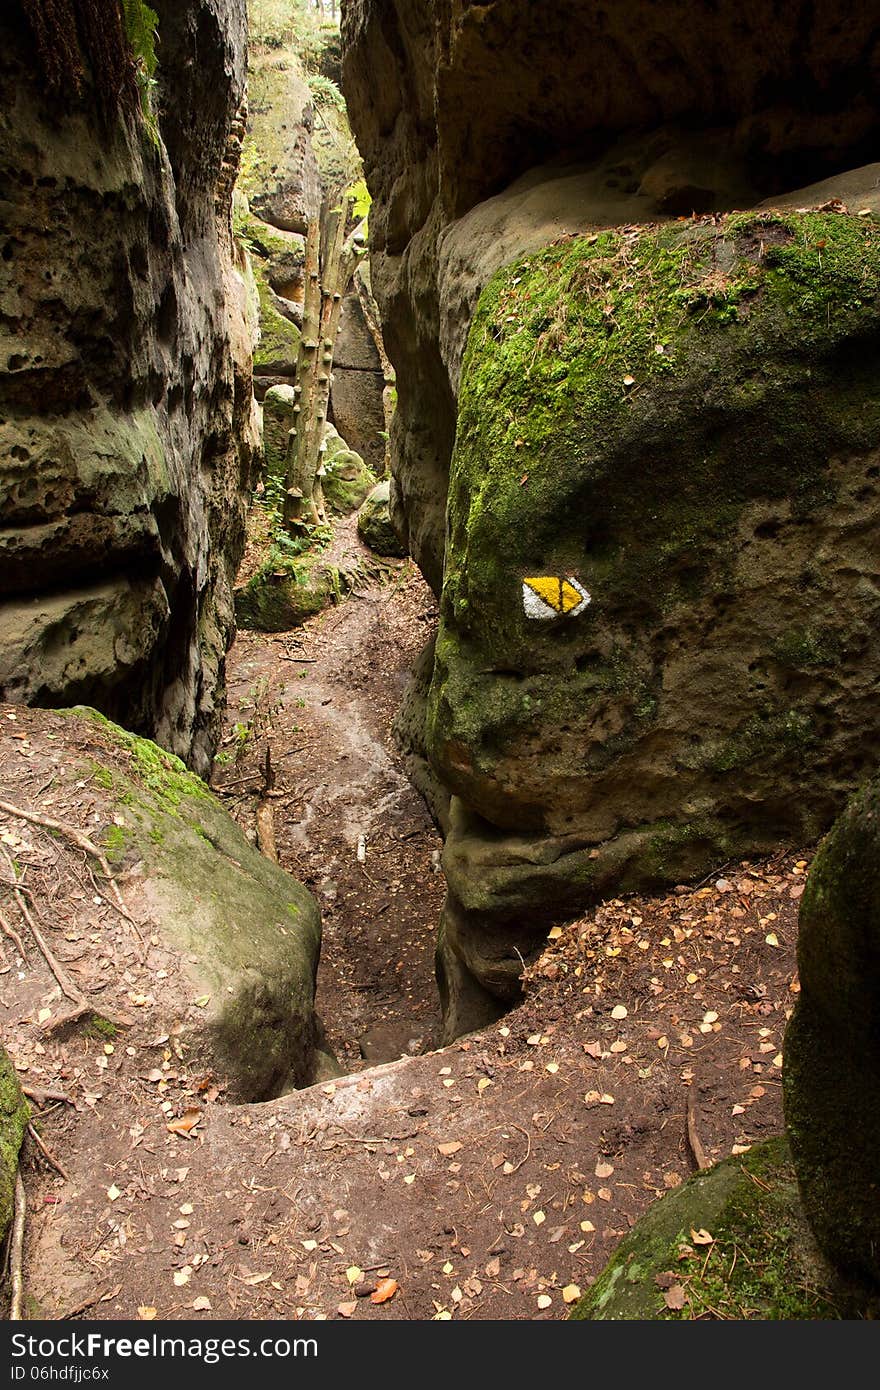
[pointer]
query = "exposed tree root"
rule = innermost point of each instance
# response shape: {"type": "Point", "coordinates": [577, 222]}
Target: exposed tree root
{"type": "Point", "coordinates": [47, 1153]}
{"type": "Point", "coordinates": [16, 1250]}
{"type": "Point", "coordinates": [693, 1138]}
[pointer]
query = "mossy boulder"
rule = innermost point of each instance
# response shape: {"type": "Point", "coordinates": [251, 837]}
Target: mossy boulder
{"type": "Point", "coordinates": [832, 1044]}
{"type": "Point", "coordinates": [287, 590]}
{"type": "Point", "coordinates": [248, 935]}
{"type": "Point", "coordinates": [346, 480]}
{"type": "Point", "coordinates": [679, 427]}
{"type": "Point", "coordinates": [374, 524]}
{"type": "Point", "coordinates": [761, 1260]}
{"type": "Point", "coordinates": [14, 1115]}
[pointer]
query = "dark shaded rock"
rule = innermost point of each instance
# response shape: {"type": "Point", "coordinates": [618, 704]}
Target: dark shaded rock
{"type": "Point", "coordinates": [374, 524]}
{"type": "Point", "coordinates": [125, 389]}
{"type": "Point", "coordinates": [279, 418]}
{"type": "Point", "coordinates": [763, 1261]}
{"type": "Point", "coordinates": [832, 1044]}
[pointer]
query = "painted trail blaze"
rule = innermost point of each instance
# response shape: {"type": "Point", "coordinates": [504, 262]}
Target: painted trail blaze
{"type": "Point", "coordinates": [553, 596]}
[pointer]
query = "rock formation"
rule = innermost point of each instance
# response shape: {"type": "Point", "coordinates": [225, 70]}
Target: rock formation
{"type": "Point", "coordinates": [127, 424]}
{"type": "Point", "coordinates": [676, 429]}
{"type": "Point", "coordinates": [832, 1044]}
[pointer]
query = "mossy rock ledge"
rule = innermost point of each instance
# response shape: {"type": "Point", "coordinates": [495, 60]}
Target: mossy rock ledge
{"type": "Point", "coordinates": [14, 1115]}
{"type": "Point", "coordinates": [287, 589]}
{"type": "Point", "coordinates": [684, 420]}
{"type": "Point", "coordinates": [374, 524]}
{"type": "Point", "coordinates": [247, 934]}
{"type": "Point", "coordinates": [831, 1075]}
{"type": "Point", "coordinates": [761, 1262]}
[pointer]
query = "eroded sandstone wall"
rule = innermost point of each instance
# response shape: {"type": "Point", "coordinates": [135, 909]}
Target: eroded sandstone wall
{"type": "Point", "coordinates": [687, 428]}
{"type": "Point", "coordinates": [126, 409]}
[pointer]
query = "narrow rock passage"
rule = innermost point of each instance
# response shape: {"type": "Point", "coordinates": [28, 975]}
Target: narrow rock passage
{"type": "Point", "coordinates": [322, 700]}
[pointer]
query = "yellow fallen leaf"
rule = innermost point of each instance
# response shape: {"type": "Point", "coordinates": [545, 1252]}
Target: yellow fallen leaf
{"type": "Point", "coordinates": [354, 1274]}
{"type": "Point", "coordinates": [147, 1313]}
{"type": "Point", "coordinates": [702, 1237]}
{"type": "Point", "coordinates": [619, 1011]}
{"type": "Point", "coordinates": [202, 1304]}
{"type": "Point", "coordinates": [483, 1084]}
{"type": "Point", "coordinates": [571, 1293]}
{"type": "Point", "coordinates": [185, 1123]}
{"type": "Point", "coordinates": [539, 1218]}
{"type": "Point", "coordinates": [410, 1178]}
{"type": "Point", "coordinates": [202, 1002]}
{"type": "Point", "coordinates": [544, 1300]}
{"type": "Point", "coordinates": [772, 939]}
{"type": "Point", "coordinates": [113, 1192]}
{"type": "Point", "coordinates": [182, 1276]}
{"type": "Point", "coordinates": [552, 1067]}
{"type": "Point", "coordinates": [587, 1227]}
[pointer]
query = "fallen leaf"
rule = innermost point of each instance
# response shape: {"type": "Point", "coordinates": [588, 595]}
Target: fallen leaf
{"type": "Point", "coordinates": [182, 1276]}
{"type": "Point", "coordinates": [147, 1313]}
{"type": "Point", "coordinates": [447, 1150]}
{"type": "Point", "coordinates": [202, 1304]}
{"type": "Point", "coordinates": [702, 1237]}
{"type": "Point", "coordinates": [354, 1274]}
{"type": "Point", "coordinates": [593, 1049]}
{"type": "Point", "coordinates": [571, 1293]}
{"type": "Point", "coordinates": [252, 1279]}
{"type": "Point", "coordinates": [483, 1084]}
{"type": "Point", "coordinates": [493, 1268]}
{"type": "Point", "coordinates": [185, 1123]}
{"type": "Point", "coordinates": [674, 1298]}
{"type": "Point", "coordinates": [619, 1011]}
{"type": "Point", "coordinates": [384, 1290]}
{"type": "Point", "coordinates": [666, 1279]}
{"type": "Point", "coordinates": [113, 1192]}
{"type": "Point", "coordinates": [345, 1310]}
{"type": "Point", "coordinates": [544, 1300]}
{"type": "Point", "coordinates": [772, 939]}
{"type": "Point", "coordinates": [539, 1218]}
{"type": "Point", "coordinates": [604, 1170]}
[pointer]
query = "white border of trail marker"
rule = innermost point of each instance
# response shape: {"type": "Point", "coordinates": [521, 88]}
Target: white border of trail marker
{"type": "Point", "coordinates": [553, 596]}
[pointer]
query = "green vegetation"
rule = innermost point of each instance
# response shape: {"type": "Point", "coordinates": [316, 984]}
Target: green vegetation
{"type": "Point", "coordinates": [733, 1242]}
{"type": "Point", "coordinates": [14, 1114]}
{"type": "Point", "coordinates": [162, 773]}
{"type": "Point", "coordinates": [141, 26]}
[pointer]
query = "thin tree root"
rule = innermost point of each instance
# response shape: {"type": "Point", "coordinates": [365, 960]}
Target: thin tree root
{"type": "Point", "coordinates": [16, 1250]}
{"type": "Point", "coordinates": [82, 841]}
{"type": "Point", "coordinates": [47, 1153]}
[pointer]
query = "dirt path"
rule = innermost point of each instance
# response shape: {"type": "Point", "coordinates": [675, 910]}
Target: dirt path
{"type": "Point", "coordinates": [487, 1180]}
{"type": "Point", "coordinates": [322, 701]}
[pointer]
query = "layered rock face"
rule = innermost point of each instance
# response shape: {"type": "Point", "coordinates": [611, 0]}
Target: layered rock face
{"type": "Point", "coordinates": [125, 378]}
{"type": "Point", "coordinates": [657, 546]}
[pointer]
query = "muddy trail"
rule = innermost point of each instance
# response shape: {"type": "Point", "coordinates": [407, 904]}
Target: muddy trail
{"type": "Point", "coordinates": [320, 701]}
{"type": "Point", "coordinates": [491, 1179]}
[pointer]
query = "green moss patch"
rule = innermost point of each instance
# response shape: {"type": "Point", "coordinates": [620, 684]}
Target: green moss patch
{"type": "Point", "coordinates": [761, 1261]}
{"type": "Point", "coordinates": [14, 1114]}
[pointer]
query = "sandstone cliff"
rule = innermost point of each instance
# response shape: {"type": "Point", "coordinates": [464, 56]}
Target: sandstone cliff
{"type": "Point", "coordinates": [127, 422]}
{"type": "Point", "coordinates": [702, 478]}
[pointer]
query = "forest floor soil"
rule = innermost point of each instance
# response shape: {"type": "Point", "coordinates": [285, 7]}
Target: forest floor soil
{"type": "Point", "coordinates": [491, 1179]}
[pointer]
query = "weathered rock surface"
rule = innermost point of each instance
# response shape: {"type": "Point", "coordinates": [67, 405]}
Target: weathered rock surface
{"type": "Point", "coordinates": [14, 1114]}
{"type": "Point", "coordinates": [238, 939]}
{"type": "Point", "coordinates": [356, 396]}
{"type": "Point", "coordinates": [280, 174]}
{"type": "Point", "coordinates": [832, 1044]}
{"type": "Point", "coordinates": [715, 464]}
{"type": "Point", "coordinates": [452, 104]}
{"type": "Point", "coordinates": [683, 423]}
{"type": "Point", "coordinates": [125, 389]}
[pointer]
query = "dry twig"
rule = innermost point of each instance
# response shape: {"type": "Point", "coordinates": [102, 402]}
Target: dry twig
{"type": "Point", "coordinates": [47, 1153]}
{"type": "Point", "coordinates": [693, 1138]}
{"type": "Point", "coordinates": [82, 841]}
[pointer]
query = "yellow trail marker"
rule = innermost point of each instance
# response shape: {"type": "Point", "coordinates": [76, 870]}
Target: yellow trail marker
{"type": "Point", "coordinates": [553, 596]}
